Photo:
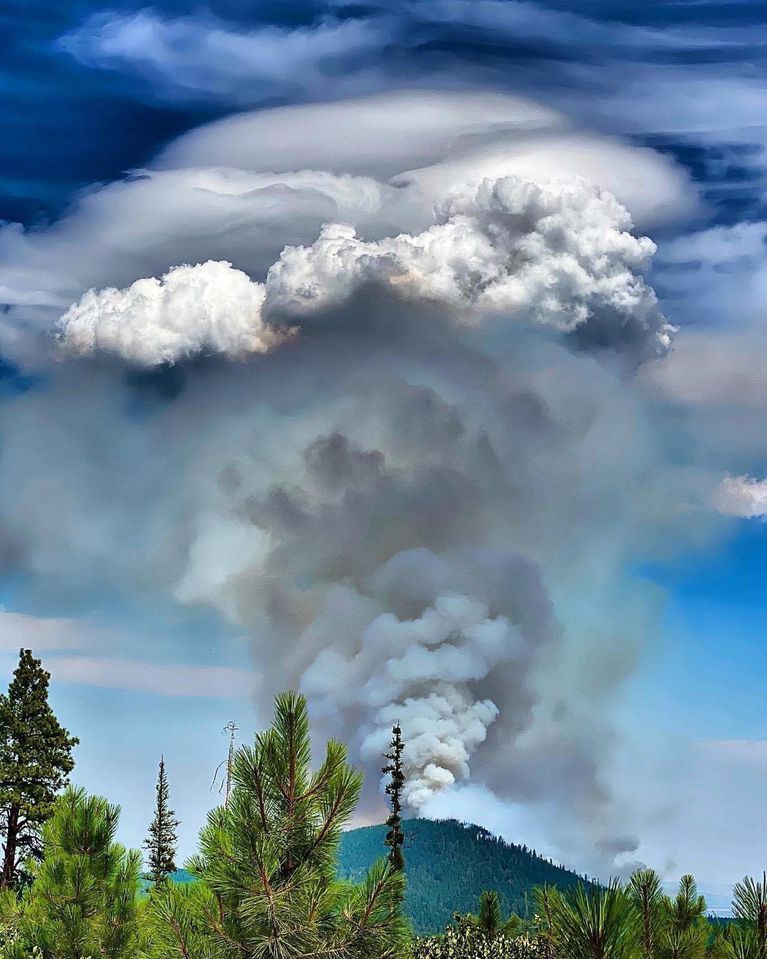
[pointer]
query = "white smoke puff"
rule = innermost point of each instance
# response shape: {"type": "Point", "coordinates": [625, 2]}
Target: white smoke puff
{"type": "Point", "coordinates": [441, 731]}
{"type": "Point", "coordinates": [558, 255]}
{"type": "Point", "coordinates": [742, 496]}
{"type": "Point", "coordinates": [210, 307]}
{"type": "Point", "coordinates": [220, 551]}
{"type": "Point", "coordinates": [452, 645]}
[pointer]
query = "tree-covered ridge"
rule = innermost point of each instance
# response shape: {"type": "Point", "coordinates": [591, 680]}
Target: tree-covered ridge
{"type": "Point", "coordinates": [449, 864]}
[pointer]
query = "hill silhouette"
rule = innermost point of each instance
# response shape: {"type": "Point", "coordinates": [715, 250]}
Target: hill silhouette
{"type": "Point", "coordinates": [449, 864]}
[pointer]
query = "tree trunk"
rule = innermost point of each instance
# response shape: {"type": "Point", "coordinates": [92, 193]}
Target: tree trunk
{"type": "Point", "coordinates": [8, 875]}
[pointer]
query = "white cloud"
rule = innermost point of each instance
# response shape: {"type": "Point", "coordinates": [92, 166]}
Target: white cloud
{"type": "Point", "coordinates": [157, 219]}
{"type": "Point", "coordinates": [431, 142]}
{"type": "Point", "coordinates": [161, 679]}
{"type": "Point", "coordinates": [717, 276]}
{"type": "Point", "coordinates": [210, 307]}
{"type": "Point", "coordinates": [378, 135]}
{"type": "Point", "coordinates": [200, 56]}
{"type": "Point", "coordinates": [386, 456]}
{"type": "Point", "coordinates": [559, 256]}
{"type": "Point", "coordinates": [742, 496]}
{"type": "Point", "coordinates": [242, 189]}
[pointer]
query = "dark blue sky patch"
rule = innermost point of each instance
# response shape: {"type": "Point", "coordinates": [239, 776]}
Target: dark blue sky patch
{"type": "Point", "coordinates": [13, 381]}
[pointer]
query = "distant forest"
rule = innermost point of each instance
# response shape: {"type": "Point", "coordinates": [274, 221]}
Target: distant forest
{"type": "Point", "coordinates": [449, 864]}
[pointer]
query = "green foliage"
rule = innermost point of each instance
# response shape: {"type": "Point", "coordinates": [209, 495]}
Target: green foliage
{"type": "Point", "coordinates": [448, 866]}
{"type": "Point", "coordinates": [267, 863]}
{"type": "Point", "coordinates": [746, 936]}
{"type": "Point", "coordinates": [161, 842]}
{"type": "Point", "coordinates": [179, 921]}
{"type": "Point", "coordinates": [684, 929]}
{"type": "Point", "coordinates": [83, 901]}
{"type": "Point", "coordinates": [489, 918]}
{"type": "Point", "coordinates": [594, 923]}
{"type": "Point", "coordinates": [545, 898]}
{"type": "Point", "coordinates": [647, 896]}
{"type": "Point", "coordinates": [669, 928]}
{"type": "Point", "coordinates": [9, 919]}
{"type": "Point", "coordinates": [749, 904]}
{"type": "Point", "coordinates": [395, 837]}
{"type": "Point", "coordinates": [469, 942]}
{"type": "Point", "coordinates": [35, 762]}
{"type": "Point", "coordinates": [736, 940]}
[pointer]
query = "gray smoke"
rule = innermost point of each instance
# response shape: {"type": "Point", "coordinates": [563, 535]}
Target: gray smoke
{"type": "Point", "coordinates": [412, 466]}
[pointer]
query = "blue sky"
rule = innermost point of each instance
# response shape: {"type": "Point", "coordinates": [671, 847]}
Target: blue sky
{"type": "Point", "coordinates": [133, 140]}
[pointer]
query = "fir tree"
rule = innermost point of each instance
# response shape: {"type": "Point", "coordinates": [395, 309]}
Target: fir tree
{"type": "Point", "coordinates": [395, 838]}
{"type": "Point", "coordinates": [161, 842]}
{"type": "Point", "coordinates": [35, 762]}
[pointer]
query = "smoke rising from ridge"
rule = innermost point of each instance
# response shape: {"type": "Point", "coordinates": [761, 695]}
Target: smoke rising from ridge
{"type": "Point", "coordinates": [402, 448]}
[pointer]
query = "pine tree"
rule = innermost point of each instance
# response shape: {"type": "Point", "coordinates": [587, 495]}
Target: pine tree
{"type": "Point", "coordinates": [83, 901]}
{"type": "Point", "coordinates": [749, 905]}
{"type": "Point", "coordinates": [595, 922]}
{"type": "Point", "coordinates": [647, 895]}
{"type": "Point", "coordinates": [267, 871]}
{"type": "Point", "coordinates": [489, 918]}
{"type": "Point", "coordinates": [35, 762]}
{"type": "Point", "coordinates": [161, 842]}
{"type": "Point", "coordinates": [395, 837]}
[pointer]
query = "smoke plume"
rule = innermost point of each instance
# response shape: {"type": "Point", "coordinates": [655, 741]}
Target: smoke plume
{"type": "Point", "coordinates": [399, 443]}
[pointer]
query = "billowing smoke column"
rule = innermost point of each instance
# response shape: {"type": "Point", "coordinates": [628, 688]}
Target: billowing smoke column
{"type": "Point", "coordinates": [390, 569]}
{"type": "Point", "coordinates": [410, 465]}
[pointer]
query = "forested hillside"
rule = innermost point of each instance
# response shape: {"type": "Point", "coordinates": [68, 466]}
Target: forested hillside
{"type": "Point", "coordinates": [449, 864]}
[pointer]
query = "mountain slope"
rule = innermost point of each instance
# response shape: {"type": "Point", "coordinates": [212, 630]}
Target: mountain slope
{"type": "Point", "coordinates": [449, 864]}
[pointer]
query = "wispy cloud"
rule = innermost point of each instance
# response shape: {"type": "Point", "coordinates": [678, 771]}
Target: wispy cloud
{"type": "Point", "coordinates": [162, 679]}
{"type": "Point", "coordinates": [205, 57]}
{"type": "Point", "coordinates": [40, 633]}
{"type": "Point", "coordinates": [742, 496]}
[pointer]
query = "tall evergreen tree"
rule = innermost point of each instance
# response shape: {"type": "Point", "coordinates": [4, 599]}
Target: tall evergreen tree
{"type": "Point", "coordinates": [395, 837]}
{"type": "Point", "coordinates": [84, 899]}
{"type": "Point", "coordinates": [649, 901]}
{"type": "Point", "coordinates": [268, 887]}
{"type": "Point", "coordinates": [35, 762]}
{"type": "Point", "coordinates": [684, 930]}
{"type": "Point", "coordinates": [161, 842]}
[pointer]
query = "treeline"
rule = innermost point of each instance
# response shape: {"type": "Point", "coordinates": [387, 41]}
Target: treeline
{"type": "Point", "coordinates": [632, 921]}
{"type": "Point", "coordinates": [266, 883]}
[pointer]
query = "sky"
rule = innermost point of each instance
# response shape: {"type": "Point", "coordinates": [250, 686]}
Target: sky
{"type": "Point", "coordinates": [413, 355]}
